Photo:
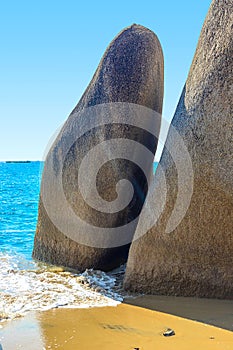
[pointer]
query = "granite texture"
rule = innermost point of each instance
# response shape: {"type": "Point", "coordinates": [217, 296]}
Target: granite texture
{"type": "Point", "coordinates": [131, 71]}
{"type": "Point", "coordinates": [196, 258]}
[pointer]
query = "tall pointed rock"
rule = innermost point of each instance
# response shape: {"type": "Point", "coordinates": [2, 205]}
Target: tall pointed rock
{"type": "Point", "coordinates": [189, 250]}
{"type": "Point", "coordinates": [96, 173]}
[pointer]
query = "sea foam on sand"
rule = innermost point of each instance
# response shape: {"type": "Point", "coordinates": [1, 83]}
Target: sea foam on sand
{"type": "Point", "coordinates": [27, 286]}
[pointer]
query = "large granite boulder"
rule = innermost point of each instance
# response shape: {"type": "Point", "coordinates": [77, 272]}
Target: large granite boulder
{"type": "Point", "coordinates": [97, 171]}
{"type": "Point", "coordinates": [189, 249]}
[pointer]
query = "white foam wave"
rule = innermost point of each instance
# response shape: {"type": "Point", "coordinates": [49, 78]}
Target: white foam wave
{"type": "Point", "coordinates": [26, 286]}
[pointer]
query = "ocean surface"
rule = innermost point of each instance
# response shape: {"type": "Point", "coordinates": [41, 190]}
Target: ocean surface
{"type": "Point", "coordinates": [25, 284]}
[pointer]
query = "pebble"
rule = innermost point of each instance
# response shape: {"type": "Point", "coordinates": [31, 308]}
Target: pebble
{"type": "Point", "coordinates": [169, 332]}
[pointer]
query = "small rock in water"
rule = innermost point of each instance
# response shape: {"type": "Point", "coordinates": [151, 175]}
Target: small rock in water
{"type": "Point", "coordinates": [169, 332]}
{"type": "Point", "coordinates": [81, 280]}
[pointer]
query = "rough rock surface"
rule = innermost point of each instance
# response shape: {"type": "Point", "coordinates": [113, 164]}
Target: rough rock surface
{"type": "Point", "coordinates": [196, 258]}
{"type": "Point", "coordinates": [131, 71]}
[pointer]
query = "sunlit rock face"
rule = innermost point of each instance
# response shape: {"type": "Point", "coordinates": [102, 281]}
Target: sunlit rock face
{"type": "Point", "coordinates": [87, 217]}
{"type": "Point", "coordinates": [189, 251]}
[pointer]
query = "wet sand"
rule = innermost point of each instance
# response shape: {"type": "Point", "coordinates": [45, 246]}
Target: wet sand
{"type": "Point", "coordinates": [215, 312]}
{"type": "Point", "coordinates": [123, 327]}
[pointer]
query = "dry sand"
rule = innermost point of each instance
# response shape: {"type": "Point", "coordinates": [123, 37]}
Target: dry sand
{"type": "Point", "coordinates": [124, 327]}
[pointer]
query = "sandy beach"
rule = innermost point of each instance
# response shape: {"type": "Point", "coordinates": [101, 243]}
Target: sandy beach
{"type": "Point", "coordinates": [214, 312]}
{"type": "Point", "coordinates": [125, 326]}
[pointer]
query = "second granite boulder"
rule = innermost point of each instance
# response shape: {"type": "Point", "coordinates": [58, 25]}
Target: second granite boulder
{"type": "Point", "coordinates": [96, 173]}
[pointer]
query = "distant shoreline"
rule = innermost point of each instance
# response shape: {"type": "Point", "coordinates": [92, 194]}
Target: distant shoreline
{"type": "Point", "coordinates": [18, 161]}
{"type": "Point", "coordinates": [21, 161]}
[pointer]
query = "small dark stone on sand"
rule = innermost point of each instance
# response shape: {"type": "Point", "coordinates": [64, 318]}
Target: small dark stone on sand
{"type": "Point", "coordinates": [169, 332]}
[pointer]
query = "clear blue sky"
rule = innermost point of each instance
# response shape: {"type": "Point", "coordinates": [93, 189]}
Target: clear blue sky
{"type": "Point", "coordinates": [50, 50]}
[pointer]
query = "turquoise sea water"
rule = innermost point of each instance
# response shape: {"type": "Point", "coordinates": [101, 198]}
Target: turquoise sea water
{"type": "Point", "coordinates": [25, 284]}
{"type": "Point", "coordinates": [19, 193]}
